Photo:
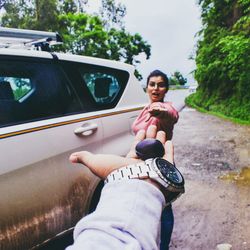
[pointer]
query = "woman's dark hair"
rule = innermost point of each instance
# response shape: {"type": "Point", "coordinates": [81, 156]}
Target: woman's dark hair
{"type": "Point", "coordinates": [158, 73]}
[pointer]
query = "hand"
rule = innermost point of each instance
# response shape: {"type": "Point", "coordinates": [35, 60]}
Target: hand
{"type": "Point", "coordinates": [156, 110]}
{"type": "Point", "coordinates": [103, 164]}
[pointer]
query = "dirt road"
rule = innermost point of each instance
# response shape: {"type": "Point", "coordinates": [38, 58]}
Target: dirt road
{"type": "Point", "coordinates": [213, 210]}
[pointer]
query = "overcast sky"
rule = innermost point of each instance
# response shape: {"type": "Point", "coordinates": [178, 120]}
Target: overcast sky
{"type": "Point", "coordinates": [169, 26]}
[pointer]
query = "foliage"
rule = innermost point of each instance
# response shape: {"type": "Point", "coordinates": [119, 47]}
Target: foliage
{"type": "Point", "coordinates": [112, 14]}
{"type": "Point", "coordinates": [86, 35]}
{"type": "Point", "coordinates": [2, 3]}
{"type": "Point", "coordinates": [31, 14]}
{"type": "Point", "coordinates": [191, 101]}
{"type": "Point", "coordinates": [223, 58]}
{"type": "Point", "coordinates": [99, 36]}
{"type": "Point", "coordinates": [177, 79]}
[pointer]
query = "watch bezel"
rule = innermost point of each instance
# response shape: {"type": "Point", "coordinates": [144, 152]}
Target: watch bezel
{"type": "Point", "coordinates": [172, 184]}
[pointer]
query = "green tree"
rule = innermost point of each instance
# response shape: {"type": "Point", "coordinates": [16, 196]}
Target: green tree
{"type": "Point", "coordinates": [223, 58]}
{"type": "Point", "coordinates": [112, 13]}
{"type": "Point", "coordinates": [73, 6]}
{"type": "Point", "coordinates": [84, 34]}
{"type": "Point", "coordinates": [2, 3]}
{"type": "Point", "coordinates": [177, 79]}
{"type": "Point", "coordinates": [99, 36]}
{"type": "Point", "coordinates": [40, 15]}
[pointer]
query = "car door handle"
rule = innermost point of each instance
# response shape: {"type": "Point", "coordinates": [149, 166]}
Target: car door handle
{"type": "Point", "coordinates": [86, 129]}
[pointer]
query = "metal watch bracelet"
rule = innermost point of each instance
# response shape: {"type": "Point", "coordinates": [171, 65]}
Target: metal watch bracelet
{"type": "Point", "coordinates": [140, 170]}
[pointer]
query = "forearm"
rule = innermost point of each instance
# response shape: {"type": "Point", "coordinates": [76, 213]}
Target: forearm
{"type": "Point", "coordinates": [128, 214]}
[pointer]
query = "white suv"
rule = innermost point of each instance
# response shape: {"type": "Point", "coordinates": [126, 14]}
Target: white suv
{"type": "Point", "coordinates": [51, 105]}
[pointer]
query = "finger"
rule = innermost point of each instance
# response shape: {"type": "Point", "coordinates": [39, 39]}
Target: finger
{"type": "Point", "coordinates": [141, 134]}
{"type": "Point", "coordinates": [163, 109]}
{"type": "Point", "coordinates": [155, 106]}
{"type": "Point", "coordinates": [151, 131]}
{"type": "Point", "coordinates": [154, 110]}
{"type": "Point", "coordinates": [85, 158]}
{"type": "Point", "coordinates": [169, 151]}
{"type": "Point", "coordinates": [161, 136]}
{"type": "Point", "coordinates": [78, 157]}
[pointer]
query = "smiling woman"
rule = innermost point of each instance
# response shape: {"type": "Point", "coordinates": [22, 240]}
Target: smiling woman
{"type": "Point", "coordinates": [156, 89]}
{"type": "Point", "coordinates": [164, 116]}
{"type": "Point", "coordinates": [159, 113]}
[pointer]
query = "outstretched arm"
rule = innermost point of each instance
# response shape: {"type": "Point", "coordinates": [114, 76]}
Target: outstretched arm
{"type": "Point", "coordinates": [128, 213]}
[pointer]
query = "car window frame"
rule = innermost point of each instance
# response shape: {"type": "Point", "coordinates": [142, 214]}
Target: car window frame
{"type": "Point", "coordinates": [74, 68]}
{"type": "Point", "coordinates": [47, 61]}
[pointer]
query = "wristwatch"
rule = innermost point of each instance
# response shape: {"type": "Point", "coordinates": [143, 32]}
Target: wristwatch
{"type": "Point", "coordinates": [157, 169]}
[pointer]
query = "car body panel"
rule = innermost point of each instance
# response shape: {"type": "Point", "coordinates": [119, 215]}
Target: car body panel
{"type": "Point", "coordinates": [42, 194]}
{"type": "Point", "coordinates": [41, 185]}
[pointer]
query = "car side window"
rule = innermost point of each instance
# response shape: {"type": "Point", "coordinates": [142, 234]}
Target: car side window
{"type": "Point", "coordinates": [105, 85]}
{"type": "Point", "coordinates": [20, 87]}
{"type": "Point", "coordinates": [33, 90]}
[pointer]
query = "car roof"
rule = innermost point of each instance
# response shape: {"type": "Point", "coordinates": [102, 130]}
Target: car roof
{"type": "Point", "coordinates": [67, 57]}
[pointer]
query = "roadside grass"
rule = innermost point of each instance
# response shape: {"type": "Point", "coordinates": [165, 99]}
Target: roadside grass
{"type": "Point", "coordinates": [189, 102]}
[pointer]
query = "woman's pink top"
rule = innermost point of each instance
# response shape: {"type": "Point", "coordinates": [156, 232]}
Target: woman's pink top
{"type": "Point", "coordinates": [145, 119]}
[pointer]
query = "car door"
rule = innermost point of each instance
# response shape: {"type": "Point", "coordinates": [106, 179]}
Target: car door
{"type": "Point", "coordinates": [42, 121]}
{"type": "Point", "coordinates": [107, 87]}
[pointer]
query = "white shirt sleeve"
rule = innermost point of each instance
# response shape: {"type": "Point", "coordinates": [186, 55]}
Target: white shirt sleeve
{"type": "Point", "coordinates": [127, 217]}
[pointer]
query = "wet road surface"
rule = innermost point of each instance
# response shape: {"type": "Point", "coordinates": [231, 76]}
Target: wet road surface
{"type": "Point", "coordinates": [214, 157]}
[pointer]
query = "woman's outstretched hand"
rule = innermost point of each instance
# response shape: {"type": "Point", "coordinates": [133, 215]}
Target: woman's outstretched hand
{"type": "Point", "coordinates": [158, 111]}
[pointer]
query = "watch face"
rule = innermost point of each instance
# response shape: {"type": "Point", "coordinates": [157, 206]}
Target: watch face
{"type": "Point", "coordinates": [169, 171]}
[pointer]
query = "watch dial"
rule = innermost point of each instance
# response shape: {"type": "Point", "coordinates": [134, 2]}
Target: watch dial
{"type": "Point", "coordinates": [169, 171]}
